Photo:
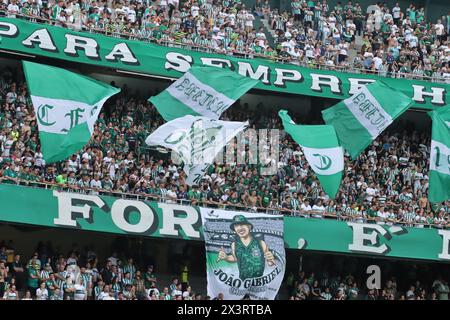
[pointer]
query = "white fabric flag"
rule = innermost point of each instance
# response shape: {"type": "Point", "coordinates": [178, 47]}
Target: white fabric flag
{"type": "Point", "coordinates": [197, 140]}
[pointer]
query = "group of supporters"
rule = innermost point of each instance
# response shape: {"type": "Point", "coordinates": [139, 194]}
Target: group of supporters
{"type": "Point", "coordinates": [396, 41]}
{"type": "Point", "coordinates": [83, 275]}
{"type": "Point", "coordinates": [387, 184]}
{"type": "Point", "coordinates": [323, 286]}
{"type": "Point", "coordinates": [48, 275]}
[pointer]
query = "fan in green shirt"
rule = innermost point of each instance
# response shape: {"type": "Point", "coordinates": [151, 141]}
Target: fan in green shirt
{"type": "Point", "coordinates": [61, 179]}
{"type": "Point", "coordinates": [51, 285]}
{"type": "Point", "coordinates": [234, 199]}
{"type": "Point", "coordinates": [372, 214]}
{"type": "Point", "coordinates": [32, 145]}
{"type": "Point", "coordinates": [194, 194]}
{"type": "Point", "coordinates": [94, 16]}
{"type": "Point", "coordinates": [9, 173]}
{"type": "Point", "coordinates": [106, 140]}
{"type": "Point", "coordinates": [296, 6]}
{"type": "Point", "coordinates": [24, 176]}
{"type": "Point", "coordinates": [266, 198]}
{"type": "Point", "coordinates": [338, 8]}
{"type": "Point", "coordinates": [420, 15]}
{"type": "Point", "coordinates": [271, 54]}
{"type": "Point", "coordinates": [349, 7]}
{"type": "Point", "coordinates": [412, 16]}
{"type": "Point", "coordinates": [32, 277]}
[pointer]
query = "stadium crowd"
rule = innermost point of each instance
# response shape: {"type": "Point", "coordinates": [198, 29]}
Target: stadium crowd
{"type": "Point", "coordinates": [387, 184]}
{"type": "Point", "coordinates": [82, 275]}
{"type": "Point", "coordinates": [48, 275]}
{"type": "Point", "coordinates": [396, 42]}
{"type": "Point", "coordinates": [347, 286]}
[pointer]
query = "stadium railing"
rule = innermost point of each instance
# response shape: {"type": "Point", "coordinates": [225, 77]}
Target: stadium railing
{"type": "Point", "coordinates": [236, 207]}
{"type": "Point", "coordinates": [435, 78]}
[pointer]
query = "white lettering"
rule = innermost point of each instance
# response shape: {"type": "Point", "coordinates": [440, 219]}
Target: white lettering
{"type": "Point", "coordinates": [119, 208]}
{"type": "Point", "coordinates": [178, 62]}
{"type": "Point", "coordinates": [66, 207]}
{"type": "Point", "coordinates": [121, 50]}
{"type": "Point", "coordinates": [319, 80]}
{"type": "Point", "coordinates": [186, 223]}
{"type": "Point", "coordinates": [11, 29]}
{"type": "Point", "coordinates": [359, 237]}
{"type": "Point", "coordinates": [445, 254]}
{"type": "Point", "coordinates": [42, 38]}
{"type": "Point", "coordinates": [356, 84]}
{"type": "Point", "coordinates": [262, 72]}
{"type": "Point", "coordinates": [284, 75]}
{"type": "Point", "coordinates": [76, 42]}
{"type": "Point", "coordinates": [374, 281]}
{"type": "Point", "coordinates": [437, 94]}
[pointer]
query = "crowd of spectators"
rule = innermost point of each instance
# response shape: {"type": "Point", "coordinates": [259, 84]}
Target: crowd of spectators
{"type": "Point", "coordinates": [387, 184]}
{"type": "Point", "coordinates": [85, 274]}
{"type": "Point", "coordinates": [49, 275]}
{"type": "Point", "coordinates": [397, 42]}
{"type": "Point", "coordinates": [323, 286]}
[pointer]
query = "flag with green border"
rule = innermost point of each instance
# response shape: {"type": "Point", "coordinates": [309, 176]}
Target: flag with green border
{"type": "Point", "coordinates": [439, 188]}
{"type": "Point", "coordinates": [66, 105]}
{"type": "Point", "coordinates": [202, 91]}
{"type": "Point", "coordinates": [361, 118]}
{"type": "Point", "coordinates": [321, 149]}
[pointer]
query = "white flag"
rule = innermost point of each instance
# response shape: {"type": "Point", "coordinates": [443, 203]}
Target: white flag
{"type": "Point", "coordinates": [195, 172]}
{"type": "Point", "coordinates": [197, 140]}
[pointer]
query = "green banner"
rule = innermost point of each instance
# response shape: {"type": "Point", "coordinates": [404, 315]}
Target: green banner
{"type": "Point", "coordinates": [149, 58]}
{"type": "Point", "coordinates": [51, 208]}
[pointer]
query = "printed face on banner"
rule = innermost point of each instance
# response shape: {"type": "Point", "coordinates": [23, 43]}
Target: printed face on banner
{"type": "Point", "coordinates": [245, 254]}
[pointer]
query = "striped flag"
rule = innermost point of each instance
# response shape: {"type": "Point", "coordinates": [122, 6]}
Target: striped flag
{"type": "Point", "coordinates": [361, 118]}
{"type": "Point", "coordinates": [66, 105]}
{"type": "Point", "coordinates": [439, 189]}
{"type": "Point", "coordinates": [202, 91]}
{"type": "Point", "coordinates": [321, 148]}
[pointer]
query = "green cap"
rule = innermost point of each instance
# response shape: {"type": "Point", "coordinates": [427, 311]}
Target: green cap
{"type": "Point", "coordinates": [239, 219]}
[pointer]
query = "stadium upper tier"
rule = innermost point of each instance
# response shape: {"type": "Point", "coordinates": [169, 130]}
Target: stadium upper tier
{"type": "Point", "coordinates": [388, 182]}
{"type": "Point", "coordinates": [391, 42]}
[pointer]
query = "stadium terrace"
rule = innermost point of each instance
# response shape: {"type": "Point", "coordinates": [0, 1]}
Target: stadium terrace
{"type": "Point", "coordinates": [129, 55]}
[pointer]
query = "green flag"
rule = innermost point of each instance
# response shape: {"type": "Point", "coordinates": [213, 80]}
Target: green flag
{"type": "Point", "coordinates": [439, 189]}
{"type": "Point", "coordinates": [66, 105]}
{"type": "Point", "coordinates": [202, 91]}
{"type": "Point", "coordinates": [359, 119]}
{"type": "Point", "coordinates": [321, 148]}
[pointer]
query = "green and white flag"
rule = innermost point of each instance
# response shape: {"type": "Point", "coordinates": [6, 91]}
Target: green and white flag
{"type": "Point", "coordinates": [197, 140]}
{"type": "Point", "coordinates": [245, 253]}
{"type": "Point", "coordinates": [195, 172]}
{"type": "Point", "coordinates": [322, 151]}
{"type": "Point", "coordinates": [359, 119]}
{"type": "Point", "coordinates": [202, 91]}
{"type": "Point", "coordinates": [439, 188]}
{"type": "Point", "coordinates": [66, 105]}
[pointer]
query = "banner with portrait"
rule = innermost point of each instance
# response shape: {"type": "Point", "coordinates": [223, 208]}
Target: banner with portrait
{"type": "Point", "coordinates": [245, 254]}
